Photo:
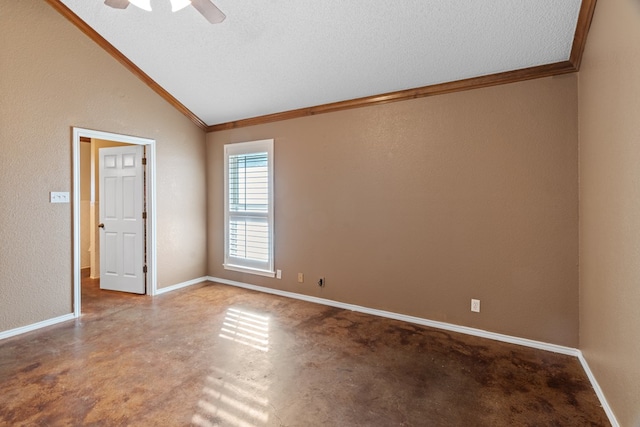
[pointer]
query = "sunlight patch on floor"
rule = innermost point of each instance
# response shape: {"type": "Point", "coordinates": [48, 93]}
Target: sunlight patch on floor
{"type": "Point", "coordinates": [231, 401]}
{"type": "Point", "coordinates": [246, 328]}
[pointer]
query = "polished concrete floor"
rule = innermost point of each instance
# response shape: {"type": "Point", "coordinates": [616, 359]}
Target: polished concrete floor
{"type": "Point", "coordinates": [213, 355]}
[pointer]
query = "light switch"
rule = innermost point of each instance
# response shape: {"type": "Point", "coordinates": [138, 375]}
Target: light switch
{"type": "Point", "coordinates": [59, 197]}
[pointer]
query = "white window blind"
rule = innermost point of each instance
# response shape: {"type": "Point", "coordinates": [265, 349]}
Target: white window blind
{"type": "Point", "coordinates": [249, 207]}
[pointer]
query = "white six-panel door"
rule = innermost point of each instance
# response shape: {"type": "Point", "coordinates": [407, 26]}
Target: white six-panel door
{"type": "Point", "coordinates": [122, 226]}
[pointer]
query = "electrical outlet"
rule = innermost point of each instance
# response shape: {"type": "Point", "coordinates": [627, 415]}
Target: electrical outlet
{"type": "Point", "coordinates": [321, 282]}
{"type": "Point", "coordinates": [475, 305]}
{"type": "Point", "coordinates": [300, 278]}
{"type": "Point", "coordinates": [59, 197]}
{"type": "Point", "coordinates": [278, 274]}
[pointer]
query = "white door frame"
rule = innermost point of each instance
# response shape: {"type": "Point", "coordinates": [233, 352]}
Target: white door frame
{"type": "Point", "coordinates": [151, 206]}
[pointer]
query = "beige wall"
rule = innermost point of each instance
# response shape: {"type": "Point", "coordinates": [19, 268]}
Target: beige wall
{"type": "Point", "coordinates": [52, 77]}
{"type": "Point", "coordinates": [416, 207]}
{"type": "Point", "coordinates": [413, 207]}
{"type": "Point", "coordinates": [609, 112]}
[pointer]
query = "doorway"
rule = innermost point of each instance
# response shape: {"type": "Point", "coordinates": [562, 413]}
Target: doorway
{"type": "Point", "coordinates": [80, 135]}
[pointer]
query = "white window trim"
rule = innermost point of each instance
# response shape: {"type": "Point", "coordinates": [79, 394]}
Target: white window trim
{"type": "Point", "coordinates": [247, 148]}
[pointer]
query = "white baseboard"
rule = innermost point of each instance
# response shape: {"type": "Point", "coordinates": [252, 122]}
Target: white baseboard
{"type": "Point", "coordinates": [181, 285]}
{"type": "Point", "coordinates": [55, 320]}
{"type": "Point", "coordinates": [441, 325]}
{"type": "Point", "coordinates": [381, 313]}
{"type": "Point", "coordinates": [405, 318]}
{"type": "Point", "coordinates": [34, 326]}
{"type": "Point", "coordinates": [596, 387]}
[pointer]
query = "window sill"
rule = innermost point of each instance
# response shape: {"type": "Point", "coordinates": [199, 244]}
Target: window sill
{"type": "Point", "coordinates": [255, 271]}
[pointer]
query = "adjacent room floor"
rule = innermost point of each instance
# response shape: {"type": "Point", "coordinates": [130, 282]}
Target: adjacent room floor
{"type": "Point", "coordinates": [213, 355]}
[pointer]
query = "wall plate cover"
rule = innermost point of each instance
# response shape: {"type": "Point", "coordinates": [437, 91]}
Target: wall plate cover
{"type": "Point", "coordinates": [59, 197]}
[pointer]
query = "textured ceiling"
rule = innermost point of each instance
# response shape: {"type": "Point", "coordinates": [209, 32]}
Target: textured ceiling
{"type": "Point", "coordinates": [281, 55]}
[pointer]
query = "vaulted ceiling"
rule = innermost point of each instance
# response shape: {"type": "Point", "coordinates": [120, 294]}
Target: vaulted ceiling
{"type": "Point", "coordinates": [278, 59]}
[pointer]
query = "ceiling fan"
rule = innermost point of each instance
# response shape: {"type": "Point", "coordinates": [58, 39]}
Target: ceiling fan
{"type": "Point", "coordinates": [205, 7]}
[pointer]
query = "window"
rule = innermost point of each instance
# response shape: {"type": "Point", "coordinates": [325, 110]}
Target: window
{"type": "Point", "coordinates": [248, 176]}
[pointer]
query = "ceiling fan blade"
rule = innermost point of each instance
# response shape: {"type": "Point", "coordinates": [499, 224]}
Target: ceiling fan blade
{"type": "Point", "coordinates": [117, 4]}
{"type": "Point", "coordinates": [209, 11]}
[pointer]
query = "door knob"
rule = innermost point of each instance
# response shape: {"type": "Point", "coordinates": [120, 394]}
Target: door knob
{"type": "Point", "coordinates": [101, 225]}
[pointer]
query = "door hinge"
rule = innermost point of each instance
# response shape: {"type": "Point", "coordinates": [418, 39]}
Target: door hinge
{"type": "Point", "coordinates": [144, 215]}
{"type": "Point", "coordinates": [144, 160]}
{"type": "Point", "coordinates": [144, 269]}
